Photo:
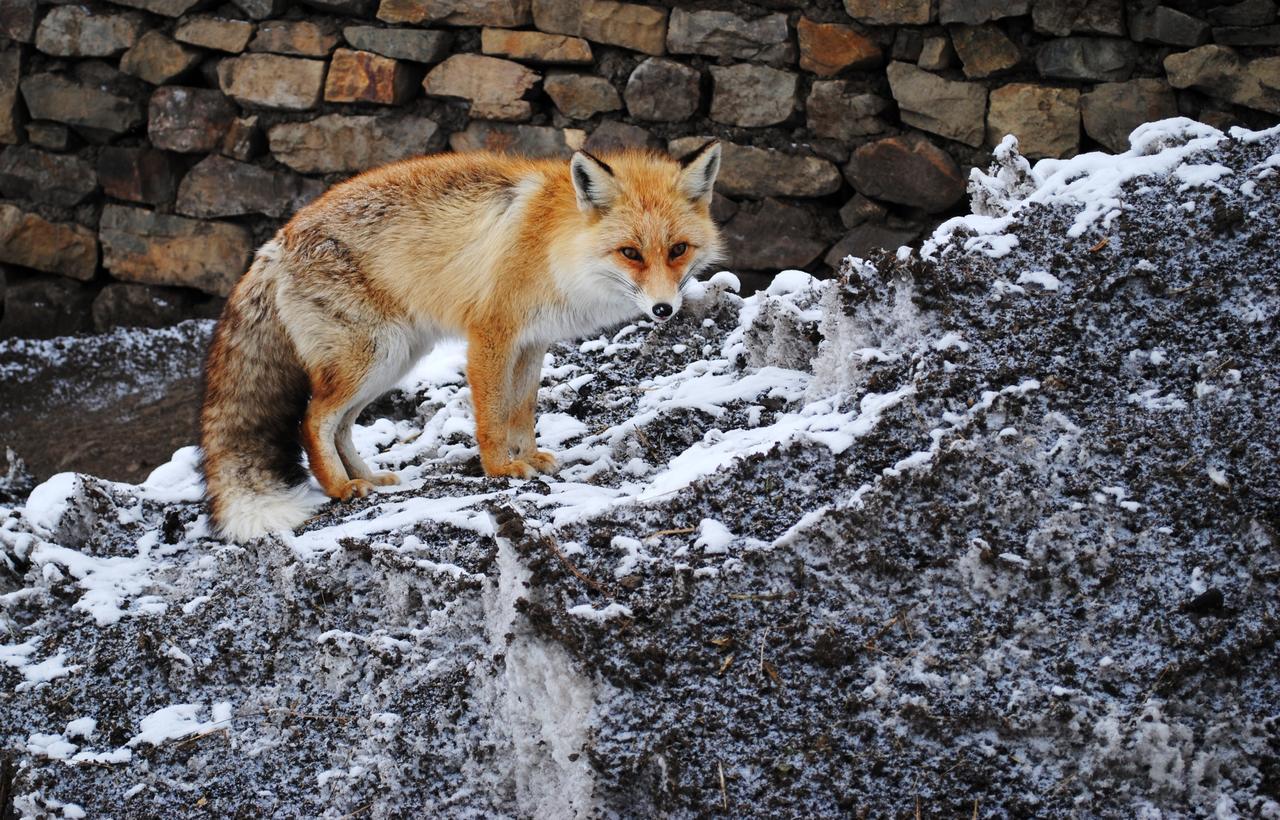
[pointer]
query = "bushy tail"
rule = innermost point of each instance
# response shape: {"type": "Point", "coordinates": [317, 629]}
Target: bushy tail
{"type": "Point", "coordinates": [255, 396]}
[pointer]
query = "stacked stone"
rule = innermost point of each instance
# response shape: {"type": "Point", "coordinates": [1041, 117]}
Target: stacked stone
{"type": "Point", "coordinates": [151, 144]}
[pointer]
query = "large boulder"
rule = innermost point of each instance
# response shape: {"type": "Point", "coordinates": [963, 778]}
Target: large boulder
{"type": "Point", "coordinates": [32, 241]}
{"type": "Point", "coordinates": [143, 246]}
{"type": "Point", "coordinates": [909, 170]}
{"type": "Point", "coordinates": [365, 77]}
{"type": "Point", "coordinates": [1045, 120]}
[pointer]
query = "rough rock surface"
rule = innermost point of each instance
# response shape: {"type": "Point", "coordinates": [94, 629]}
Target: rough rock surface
{"type": "Point", "coordinates": [951, 109]}
{"type": "Point", "coordinates": [1019, 552]}
{"type": "Point", "coordinates": [1046, 120]}
{"type": "Point", "coordinates": [143, 246]}
{"type": "Point", "coordinates": [272, 81]}
{"type": "Point", "coordinates": [662, 90]}
{"type": "Point", "coordinates": [495, 88]}
{"type": "Point", "coordinates": [752, 95]}
{"type": "Point", "coordinates": [337, 143]}
{"type": "Point", "coordinates": [32, 241]}
{"type": "Point", "coordinates": [909, 170]}
{"type": "Point", "coordinates": [763, 172]}
{"type": "Point", "coordinates": [725, 34]}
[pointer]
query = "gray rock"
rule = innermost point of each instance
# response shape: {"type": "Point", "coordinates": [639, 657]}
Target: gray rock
{"type": "Point", "coordinates": [1098, 59]}
{"type": "Point", "coordinates": [347, 8]}
{"type": "Point", "coordinates": [955, 110]}
{"type": "Point", "coordinates": [752, 95]}
{"type": "Point", "coordinates": [138, 174]}
{"type": "Point", "coordinates": [272, 81]}
{"type": "Point", "coordinates": [581, 96]}
{"type": "Point", "coordinates": [860, 209]}
{"type": "Point", "coordinates": [984, 50]}
{"type": "Point", "coordinates": [218, 186]}
{"type": "Point", "coordinates": [936, 53]}
{"type": "Point", "coordinates": [771, 235]}
{"type": "Point", "coordinates": [188, 120]}
{"type": "Point", "coordinates": [18, 20]}
{"type": "Point", "coordinates": [78, 31]}
{"type": "Point", "coordinates": [724, 34]}
{"type": "Point", "coordinates": [1166, 25]}
{"type": "Point", "coordinates": [1220, 72]}
{"type": "Point", "coordinates": [758, 173]}
{"type": "Point", "coordinates": [157, 59]}
{"type": "Point", "coordinates": [864, 240]}
{"type": "Point", "coordinates": [1063, 17]}
{"type": "Point", "coordinates": [612, 135]}
{"type": "Point", "coordinates": [1255, 36]}
{"type": "Point", "coordinates": [156, 249]}
{"type": "Point", "coordinates": [662, 90]}
{"type": "Point", "coordinates": [837, 110]}
{"type": "Point", "coordinates": [1245, 13]}
{"type": "Point", "coordinates": [52, 97]}
{"type": "Point", "coordinates": [909, 170]}
{"type": "Point", "coordinates": [51, 136]}
{"type": "Point", "coordinates": [166, 8]}
{"type": "Point", "coordinates": [400, 44]}
{"type": "Point", "coordinates": [31, 241]}
{"type": "Point", "coordinates": [262, 9]}
{"type": "Point", "coordinates": [122, 304]}
{"type": "Point", "coordinates": [53, 179]}
{"type": "Point", "coordinates": [973, 12]}
{"type": "Point", "coordinates": [526, 140]}
{"type": "Point", "coordinates": [891, 12]}
{"type": "Point", "coordinates": [301, 38]}
{"type": "Point", "coordinates": [217, 33]}
{"type": "Point", "coordinates": [42, 307]}
{"type": "Point", "coordinates": [337, 143]}
{"type": "Point", "coordinates": [907, 45]}
{"type": "Point", "coordinates": [1111, 111]}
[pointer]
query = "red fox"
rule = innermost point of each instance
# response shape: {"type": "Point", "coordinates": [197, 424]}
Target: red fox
{"type": "Point", "coordinates": [509, 253]}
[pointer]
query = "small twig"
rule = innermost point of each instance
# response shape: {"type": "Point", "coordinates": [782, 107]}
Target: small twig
{"type": "Point", "coordinates": [975, 808]}
{"type": "Point", "coordinates": [676, 531]}
{"type": "Point", "coordinates": [577, 573]}
{"type": "Point", "coordinates": [870, 643]}
{"type": "Point", "coordinates": [358, 811]}
{"type": "Point", "coordinates": [724, 792]}
{"type": "Point", "coordinates": [725, 665]}
{"type": "Point", "coordinates": [1102, 243]}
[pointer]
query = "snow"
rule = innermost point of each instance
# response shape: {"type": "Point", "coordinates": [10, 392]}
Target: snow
{"type": "Point", "coordinates": [180, 720]}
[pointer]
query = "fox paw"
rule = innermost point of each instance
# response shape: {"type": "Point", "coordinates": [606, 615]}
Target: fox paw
{"type": "Point", "coordinates": [542, 461]}
{"type": "Point", "coordinates": [385, 479]}
{"type": "Point", "coordinates": [355, 488]}
{"type": "Point", "coordinates": [514, 469]}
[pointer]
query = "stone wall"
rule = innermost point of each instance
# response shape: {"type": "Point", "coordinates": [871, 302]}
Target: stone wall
{"type": "Point", "coordinates": [151, 144]}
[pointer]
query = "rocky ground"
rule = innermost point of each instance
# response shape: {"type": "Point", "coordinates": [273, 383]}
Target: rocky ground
{"type": "Point", "coordinates": [986, 530]}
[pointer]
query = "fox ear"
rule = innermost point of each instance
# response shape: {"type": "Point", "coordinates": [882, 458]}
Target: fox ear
{"type": "Point", "coordinates": [593, 181]}
{"type": "Point", "coordinates": [698, 172]}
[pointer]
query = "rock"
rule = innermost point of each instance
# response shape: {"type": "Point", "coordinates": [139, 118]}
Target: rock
{"type": "Point", "coordinates": [337, 143]}
{"type": "Point", "coordinates": [52, 136]}
{"type": "Point", "coordinates": [1111, 111]}
{"type": "Point", "coordinates": [344, 8]}
{"type": "Point", "coordinates": [1247, 35]}
{"type": "Point", "coordinates": [1063, 17]}
{"type": "Point", "coordinates": [1219, 71]}
{"type": "Point", "coordinates": [771, 235]}
{"type": "Point", "coordinates": [907, 43]}
{"type": "Point", "coordinates": [157, 59]}
{"type": "Point", "coordinates": [11, 114]}
{"type": "Point", "coordinates": [763, 172]}
{"type": "Point", "coordinates": [860, 209]}
{"type": "Point", "coordinates": [1166, 25]}
{"type": "Point", "coordinates": [864, 240]}
{"type": "Point", "coordinates": [122, 304]}
{"type": "Point", "coordinates": [837, 110]}
{"type": "Point", "coordinates": [826, 49]}
{"type": "Point", "coordinates": [217, 33]}
{"type": "Point", "coordinates": [955, 110]}
{"type": "Point", "coordinates": [301, 38]}
{"type": "Point", "coordinates": [262, 9]}
{"type": "Point", "coordinates": [909, 170]}
{"type": "Point", "coordinates": [52, 97]}
{"type": "Point", "coordinates": [973, 12]}
{"type": "Point", "coordinates": [663, 90]}
{"type": "Point", "coordinates": [78, 31]}
{"type": "Point", "coordinates": [218, 186]}
{"type": "Point", "coordinates": [272, 81]}
{"type": "Point", "coordinates": [138, 174]}
{"type": "Point", "coordinates": [166, 8]}
{"type": "Point", "coordinates": [612, 135]}
{"type": "Point", "coordinates": [535, 47]}
{"type": "Point", "coordinates": [724, 34]}
{"type": "Point", "coordinates": [1245, 13]}
{"type": "Point", "coordinates": [752, 95]}
{"type": "Point", "coordinates": [1087, 58]}
{"type": "Point", "coordinates": [936, 53]}
{"type": "Point", "coordinates": [31, 241]}
{"type": "Point", "coordinates": [500, 13]}
{"type": "Point", "coordinates": [156, 249]}
{"type": "Point", "coordinates": [362, 76]}
{"type": "Point", "coordinates": [188, 120]}
{"type": "Point", "coordinates": [18, 20]}
{"type": "Point", "coordinates": [1045, 120]}
{"type": "Point", "coordinates": [400, 44]}
{"type": "Point", "coordinates": [243, 140]}
{"type": "Point", "coordinates": [42, 307]}
{"type": "Point", "coordinates": [526, 140]}
{"type": "Point", "coordinates": [52, 179]}
{"type": "Point", "coordinates": [891, 12]}
{"type": "Point", "coordinates": [639, 28]}
{"type": "Point", "coordinates": [495, 88]}
{"type": "Point", "coordinates": [984, 50]}
{"type": "Point", "coordinates": [581, 96]}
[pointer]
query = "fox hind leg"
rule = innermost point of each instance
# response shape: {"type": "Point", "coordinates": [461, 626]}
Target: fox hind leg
{"type": "Point", "coordinates": [350, 456]}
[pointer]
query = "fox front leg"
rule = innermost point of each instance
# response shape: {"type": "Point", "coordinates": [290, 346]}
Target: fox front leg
{"type": "Point", "coordinates": [491, 360]}
{"type": "Point", "coordinates": [525, 377]}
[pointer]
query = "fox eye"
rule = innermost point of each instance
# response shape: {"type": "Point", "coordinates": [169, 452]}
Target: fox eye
{"type": "Point", "coordinates": [678, 249]}
{"type": "Point", "coordinates": [631, 253]}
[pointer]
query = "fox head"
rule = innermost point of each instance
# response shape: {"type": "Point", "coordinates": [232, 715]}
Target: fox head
{"type": "Point", "coordinates": [650, 227]}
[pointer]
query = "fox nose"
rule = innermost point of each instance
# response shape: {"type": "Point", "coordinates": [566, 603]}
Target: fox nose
{"type": "Point", "coordinates": [662, 311]}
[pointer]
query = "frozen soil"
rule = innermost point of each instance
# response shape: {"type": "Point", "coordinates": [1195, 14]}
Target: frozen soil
{"type": "Point", "coordinates": [991, 529]}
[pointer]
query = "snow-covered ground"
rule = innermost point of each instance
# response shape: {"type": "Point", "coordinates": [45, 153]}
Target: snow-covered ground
{"type": "Point", "coordinates": [990, 528]}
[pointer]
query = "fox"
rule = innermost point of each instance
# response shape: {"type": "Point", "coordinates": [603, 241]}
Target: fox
{"type": "Point", "coordinates": [510, 253]}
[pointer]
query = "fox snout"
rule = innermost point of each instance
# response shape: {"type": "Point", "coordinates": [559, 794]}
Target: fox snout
{"type": "Point", "coordinates": [663, 308]}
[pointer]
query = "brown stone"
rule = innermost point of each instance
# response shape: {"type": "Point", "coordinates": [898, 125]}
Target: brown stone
{"type": "Point", "coordinates": [763, 172]}
{"type": "Point", "coordinates": [137, 174]}
{"type": "Point", "coordinates": [272, 81]}
{"type": "Point", "coordinates": [526, 140]}
{"type": "Point", "coordinates": [188, 120]}
{"type": "Point", "coordinates": [156, 249]}
{"type": "Point", "coordinates": [52, 97]}
{"type": "Point", "coordinates": [764, 39]}
{"type": "Point", "coordinates": [1111, 111]}
{"type": "Point", "coordinates": [18, 20]}
{"type": "Point", "coordinates": [217, 33]}
{"type": "Point", "coordinates": [337, 143]}
{"type": "Point", "coordinates": [909, 170]}
{"type": "Point", "coordinates": [500, 13]}
{"type": "Point", "coordinates": [53, 179]}
{"type": "Point", "coordinates": [157, 59]}
{"type": "Point", "coordinates": [78, 31]}
{"type": "Point", "coordinates": [218, 186]}
{"type": "Point", "coordinates": [891, 12]}
{"type": "Point", "coordinates": [955, 110]}
{"type": "Point", "coordinates": [581, 96]}
{"type": "Point", "coordinates": [1063, 17]}
{"type": "Point", "coordinates": [167, 8]}
{"type": "Point", "coordinates": [1045, 120]}
{"type": "Point", "coordinates": [973, 12]}
{"type": "Point", "coordinates": [771, 235]}
{"type": "Point", "coordinates": [936, 53]}
{"type": "Point", "coordinates": [495, 88]}
{"type": "Point", "coordinates": [302, 38]}
{"type": "Point", "coordinates": [33, 242]}
{"type": "Point", "coordinates": [984, 50]}
{"type": "Point", "coordinates": [860, 209]}
{"type": "Point", "coordinates": [52, 136]}
{"type": "Point", "coordinates": [837, 110]}
{"type": "Point", "coordinates": [865, 240]}
{"type": "Point", "coordinates": [826, 49]}
{"type": "Point", "coordinates": [362, 76]}
{"type": "Point", "coordinates": [1219, 71]}
{"type": "Point", "coordinates": [535, 47]}
{"type": "Point", "coordinates": [243, 140]}
{"type": "Point", "coordinates": [400, 44]}
{"type": "Point", "coordinates": [663, 90]}
{"type": "Point", "coordinates": [752, 95]}
{"type": "Point", "coordinates": [11, 114]}
{"type": "Point", "coordinates": [612, 135]}
{"type": "Point", "coordinates": [639, 28]}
